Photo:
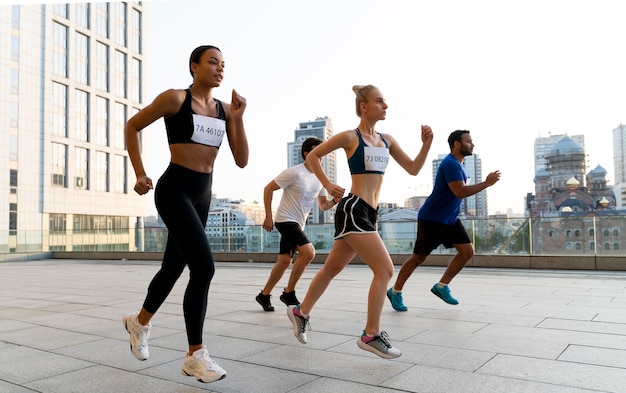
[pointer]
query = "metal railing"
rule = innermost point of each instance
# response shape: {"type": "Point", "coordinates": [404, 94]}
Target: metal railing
{"type": "Point", "coordinates": [572, 235]}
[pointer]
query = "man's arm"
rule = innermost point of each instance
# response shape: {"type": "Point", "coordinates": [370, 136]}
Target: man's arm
{"type": "Point", "coordinates": [462, 190]}
{"type": "Point", "coordinates": [268, 194]}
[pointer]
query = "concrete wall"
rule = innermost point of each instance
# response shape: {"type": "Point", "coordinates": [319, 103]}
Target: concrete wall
{"type": "Point", "coordinates": [555, 262]}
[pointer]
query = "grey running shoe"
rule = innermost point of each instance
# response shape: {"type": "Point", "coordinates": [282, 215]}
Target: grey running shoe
{"type": "Point", "coordinates": [300, 324]}
{"type": "Point", "coordinates": [289, 298]}
{"type": "Point", "coordinates": [200, 366]}
{"type": "Point", "coordinates": [264, 301]}
{"type": "Point", "coordinates": [380, 345]}
{"type": "Point", "coordinates": [139, 335]}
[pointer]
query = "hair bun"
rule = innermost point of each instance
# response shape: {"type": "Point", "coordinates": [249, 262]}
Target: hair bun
{"type": "Point", "coordinates": [357, 88]}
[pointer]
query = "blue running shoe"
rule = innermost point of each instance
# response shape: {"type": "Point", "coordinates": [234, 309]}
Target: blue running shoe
{"type": "Point", "coordinates": [443, 292]}
{"type": "Point", "coordinates": [396, 300]}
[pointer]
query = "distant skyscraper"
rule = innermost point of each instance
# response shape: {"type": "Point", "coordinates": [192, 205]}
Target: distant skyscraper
{"type": "Point", "coordinates": [619, 164]}
{"type": "Point", "coordinates": [321, 128]}
{"type": "Point", "coordinates": [474, 205]}
{"type": "Point", "coordinates": [543, 145]}
{"type": "Point", "coordinates": [619, 153]}
{"type": "Point", "coordinates": [73, 76]}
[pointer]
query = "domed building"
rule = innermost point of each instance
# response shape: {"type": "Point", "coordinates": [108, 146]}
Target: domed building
{"type": "Point", "coordinates": [574, 212]}
{"type": "Point", "coordinates": [564, 184]}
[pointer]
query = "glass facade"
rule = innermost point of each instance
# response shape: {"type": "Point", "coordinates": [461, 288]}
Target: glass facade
{"type": "Point", "coordinates": [65, 111]}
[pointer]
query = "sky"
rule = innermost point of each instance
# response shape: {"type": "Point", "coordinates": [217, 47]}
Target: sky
{"type": "Point", "coordinates": [508, 71]}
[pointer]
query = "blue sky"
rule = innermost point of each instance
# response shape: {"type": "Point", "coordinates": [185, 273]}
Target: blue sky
{"type": "Point", "coordinates": [509, 71]}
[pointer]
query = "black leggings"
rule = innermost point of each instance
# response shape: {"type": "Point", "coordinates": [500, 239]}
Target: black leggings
{"type": "Point", "coordinates": [183, 198]}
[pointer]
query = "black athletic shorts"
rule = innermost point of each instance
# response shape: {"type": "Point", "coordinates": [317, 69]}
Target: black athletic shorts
{"type": "Point", "coordinates": [291, 237]}
{"type": "Point", "coordinates": [430, 234]}
{"type": "Point", "coordinates": [354, 215]}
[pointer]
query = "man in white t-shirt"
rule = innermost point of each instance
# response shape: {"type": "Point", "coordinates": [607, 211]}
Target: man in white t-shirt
{"type": "Point", "coordinates": [300, 189]}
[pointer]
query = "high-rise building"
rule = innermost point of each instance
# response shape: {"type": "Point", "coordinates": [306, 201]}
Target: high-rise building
{"type": "Point", "coordinates": [543, 145]}
{"type": "Point", "coordinates": [474, 205]}
{"type": "Point", "coordinates": [619, 164]}
{"type": "Point", "coordinates": [321, 128]}
{"type": "Point", "coordinates": [72, 77]}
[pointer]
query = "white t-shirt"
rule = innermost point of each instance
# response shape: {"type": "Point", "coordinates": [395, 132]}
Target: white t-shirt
{"type": "Point", "coordinates": [300, 191]}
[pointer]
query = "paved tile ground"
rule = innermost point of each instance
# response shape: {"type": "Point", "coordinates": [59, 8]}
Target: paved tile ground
{"type": "Point", "coordinates": [513, 331]}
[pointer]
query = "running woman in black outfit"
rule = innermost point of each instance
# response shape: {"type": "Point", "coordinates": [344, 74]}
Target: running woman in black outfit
{"type": "Point", "coordinates": [368, 154]}
{"type": "Point", "coordinates": [196, 123]}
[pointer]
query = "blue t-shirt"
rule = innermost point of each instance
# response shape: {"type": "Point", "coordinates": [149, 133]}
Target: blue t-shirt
{"type": "Point", "coordinates": [442, 205]}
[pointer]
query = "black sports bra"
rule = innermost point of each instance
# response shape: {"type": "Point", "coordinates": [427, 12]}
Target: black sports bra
{"type": "Point", "coordinates": [188, 127]}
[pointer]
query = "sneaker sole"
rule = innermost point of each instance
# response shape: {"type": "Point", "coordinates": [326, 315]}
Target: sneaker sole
{"type": "Point", "coordinates": [294, 322]}
{"type": "Point", "coordinates": [439, 296]}
{"type": "Point", "coordinates": [264, 308]}
{"type": "Point", "coordinates": [200, 379]}
{"type": "Point", "coordinates": [373, 350]}
{"type": "Point", "coordinates": [394, 307]}
{"type": "Point", "coordinates": [141, 357]}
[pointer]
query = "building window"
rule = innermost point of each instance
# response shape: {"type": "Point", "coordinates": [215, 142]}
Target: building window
{"type": "Point", "coordinates": [605, 232]}
{"type": "Point", "coordinates": [119, 24]}
{"type": "Point", "coordinates": [81, 115]}
{"type": "Point", "coordinates": [15, 16]}
{"type": "Point", "coordinates": [60, 10]}
{"type": "Point", "coordinates": [568, 246]}
{"type": "Point", "coordinates": [101, 122]}
{"type": "Point", "coordinates": [13, 219]}
{"type": "Point", "coordinates": [577, 233]}
{"type": "Point", "coordinates": [135, 80]}
{"type": "Point", "coordinates": [568, 233]}
{"type": "Point", "coordinates": [117, 126]}
{"type": "Point", "coordinates": [135, 31]}
{"type": "Point", "coordinates": [15, 48]}
{"type": "Point", "coordinates": [59, 109]}
{"type": "Point", "coordinates": [59, 49]}
{"type": "Point", "coordinates": [57, 222]}
{"type": "Point", "coordinates": [102, 66]}
{"type": "Point", "coordinates": [578, 246]}
{"type": "Point", "coordinates": [13, 178]}
{"type": "Point", "coordinates": [82, 15]}
{"type": "Point", "coordinates": [101, 174]}
{"type": "Point", "coordinates": [82, 58]}
{"type": "Point", "coordinates": [591, 232]}
{"type": "Point", "coordinates": [15, 81]}
{"type": "Point", "coordinates": [13, 114]}
{"type": "Point", "coordinates": [59, 164]}
{"type": "Point", "coordinates": [102, 19]}
{"type": "Point", "coordinates": [81, 170]}
{"type": "Point", "coordinates": [13, 147]}
{"type": "Point", "coordinates": [119, 74]}
{"type": "Point", "coordinates": [616, 232]}
{"type": "Point", "coordinates": [592, 246]}
{"type": "Point", "coordinates": [551, 233]}
{"type": "Point", "coordinates": [607, 246]}
{"type": "Point", "coordinates": [119, 177]}
{"type": "Point", "coordinates": [616, 246]}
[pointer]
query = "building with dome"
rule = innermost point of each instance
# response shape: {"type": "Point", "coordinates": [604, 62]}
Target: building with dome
{"type": "Point", "coordinates": [574, 211]}
{"type": "Point", "coordinates": [564, 183]}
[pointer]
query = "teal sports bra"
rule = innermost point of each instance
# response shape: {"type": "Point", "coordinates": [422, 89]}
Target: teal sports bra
{"type": "Point", "coordinates": [367, 159]}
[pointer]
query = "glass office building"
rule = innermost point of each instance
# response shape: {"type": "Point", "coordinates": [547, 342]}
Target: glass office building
{"type": "Point", "coordinates": [71, 77]}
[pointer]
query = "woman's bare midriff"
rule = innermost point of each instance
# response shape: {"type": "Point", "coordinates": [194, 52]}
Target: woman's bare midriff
{"type": "Point", "coordinates": [199, 158]}
{"type": "Point", "coordinates": [367, 187]}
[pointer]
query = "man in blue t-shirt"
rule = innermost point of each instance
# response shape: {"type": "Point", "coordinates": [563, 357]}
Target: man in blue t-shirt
{"type": "Point", "coordinates": [438, 222]}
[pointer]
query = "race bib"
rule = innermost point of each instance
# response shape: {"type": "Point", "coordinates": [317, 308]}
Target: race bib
{"type": "Point", "coordinates": [376, 158]}
{"type": "Point", "coordinates": [208, 130]}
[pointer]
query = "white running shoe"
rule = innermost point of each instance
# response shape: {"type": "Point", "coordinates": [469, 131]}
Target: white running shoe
{"type": "Point", "coordinates": [139, 335]}
{"type": "Point", "coordinates": [202, 367]}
